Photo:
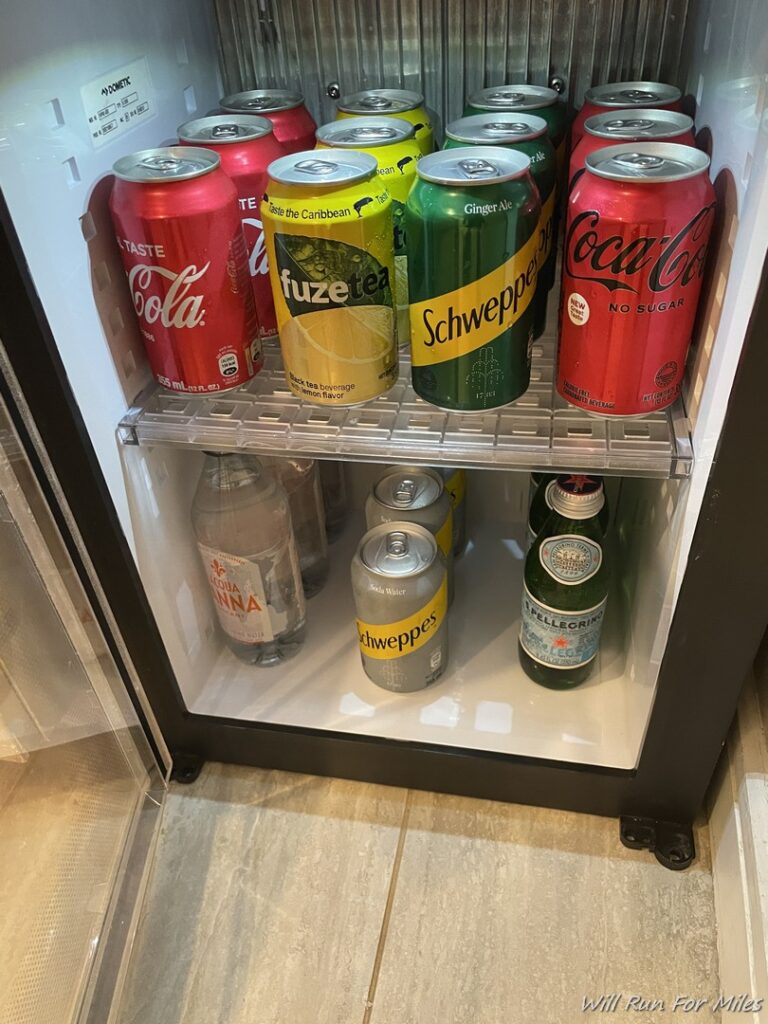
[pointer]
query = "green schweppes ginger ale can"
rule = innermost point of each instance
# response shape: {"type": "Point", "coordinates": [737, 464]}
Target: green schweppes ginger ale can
{"type": "Point", "coordinates": [328, 227]}
{"type": "Point", "coordinates": [472, 225]}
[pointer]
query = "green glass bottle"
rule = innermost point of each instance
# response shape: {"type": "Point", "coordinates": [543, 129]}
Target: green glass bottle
{"type": "Point", "coordinates": [540, 506]}
{"type": "Point", "coordinates": [565, 587]}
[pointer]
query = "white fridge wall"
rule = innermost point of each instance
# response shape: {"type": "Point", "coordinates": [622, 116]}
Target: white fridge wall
{"type": "Point", "coordinates": [54, 175]}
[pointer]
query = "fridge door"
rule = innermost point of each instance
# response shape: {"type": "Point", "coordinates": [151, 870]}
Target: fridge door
{"type": "Point", "coordinates": [80, 789]}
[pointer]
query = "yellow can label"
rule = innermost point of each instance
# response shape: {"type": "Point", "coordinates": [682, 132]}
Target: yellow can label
{"type": "Point", "coordinates": [459, 322]}
{"type": "Point", "coordinates": [444, 535]}
{"type": "Point", "coordinates": [456, 486]}
{"type": "Point", "coordinates": [396, 639]}
{"type": "Point", "coordinates": [332, 270]}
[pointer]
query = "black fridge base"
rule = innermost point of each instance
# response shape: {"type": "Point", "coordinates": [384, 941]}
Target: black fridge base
{"type": "Point", "coordinates": [186, 768]}
{"type": "Point", "coordinates": [672, 844]}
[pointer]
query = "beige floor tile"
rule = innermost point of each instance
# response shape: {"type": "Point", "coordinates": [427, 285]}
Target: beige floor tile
{"type": "Point", "coordinates": [266, 901]}
{"type": "Point", "coordinates": [511, 915]}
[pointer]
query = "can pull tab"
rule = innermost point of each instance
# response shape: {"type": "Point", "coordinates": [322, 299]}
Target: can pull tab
{"type": "Point", "coordinates": [259, 103]}
{"type": "Point", "coordinates": [638, 95]}
{"type": "Point", "coordinates": [622, 125]}
{"type": "Point", "coordinates": [640, 161]}
{"type": "Point", "coordinates": [366, 134]}
{"type": "Point", "coordinates": [508, 97]}
{"type": "Point", "coordinates": [163, 164]}
{"type": "Point", "coordinates": [507, 128]}
{"type": "Point", "coordinates": [479, 169]}
{"type": "Point", "coordinates": [406, 492]}
{"type": "Point", "coordinates": [397, 544]}
{"type": "Point", "coordinates": [376, 103]}
{"type": "Point", "coordinates": [225, 131]}
{"type": "Point", "coordinates": [317, 167]}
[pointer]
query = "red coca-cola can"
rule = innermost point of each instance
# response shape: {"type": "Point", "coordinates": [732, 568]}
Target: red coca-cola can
{"type": "Point", "coordinates": [178, 228]}
{"type": "Point", "coordinates": [246, 146]}
{"type": "Point", "coordinates": [293, 123]}
{"type": "Point", "coordinates": [618, 126]}
{"type": "Point", "coordinates": [624, 96]}
{"type": "Point", "coordinates": [635, 248]}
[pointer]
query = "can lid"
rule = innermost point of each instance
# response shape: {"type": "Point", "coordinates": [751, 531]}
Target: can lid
{"type": "Point", "coordinates": [168, 163]}
{"type": "Point", "coordinates": [408, 487]}
{"type": "Point", "coordinates": [398, 549]}
{"type": "Point", "coordinates": [576, 496]}
{"type": "Point", "coordinates": [256, 101]}
{"type": "Point", "coordinates": [647, 161]}
{"type": "Point", "coordinates": [513, 97]}
{"type": "Point", "coordinates": [381, 101]}
{"type": "Point", "coordinates": [223, 128]}
{"type": "Point", "coordinates": [312, 167]}
{"type": "Point", "coordinates": [496, 129]}
{"type": "Point", "coordinates": [645, 123]}
{"type": "Point", "coordinates": [366, 132]}
{"type": "Point", "coordinates": [473, 165]}
{"type": "Point", "coordinates": [632, 94]}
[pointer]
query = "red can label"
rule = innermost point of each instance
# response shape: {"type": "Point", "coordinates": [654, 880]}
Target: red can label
{"type": "Point", "coordinates": [258, 268]}
{"type": "Point", "coordinates": [193, 302]}
{"type": "Point", "coordinates": [630, 291]}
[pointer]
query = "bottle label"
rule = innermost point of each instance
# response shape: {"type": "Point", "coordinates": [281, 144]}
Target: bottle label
{"type": "Point", "coordinates": [242, 592]}
{"type": "Point", "coordinates": [570, 558]}
{"type": "Point", "coordinates": [396, 639]}
{"type": "Point", "coordinates": [560, 639]}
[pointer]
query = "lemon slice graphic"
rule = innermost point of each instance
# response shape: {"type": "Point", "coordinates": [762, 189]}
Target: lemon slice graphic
{"type": "Point", "coordinates": [355, 335]}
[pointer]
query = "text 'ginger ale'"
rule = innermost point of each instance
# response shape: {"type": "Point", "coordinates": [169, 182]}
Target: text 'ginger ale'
{"type": "Point", "coordinates": [472, 223]}
{"type": "Point", "coordinates": [328, 225]}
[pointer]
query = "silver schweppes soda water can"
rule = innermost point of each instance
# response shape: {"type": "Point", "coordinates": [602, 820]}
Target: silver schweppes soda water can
{"type": "Point", "coordinates": [400, 585]}
{"type": "Point", "coordinates": [414, 494]}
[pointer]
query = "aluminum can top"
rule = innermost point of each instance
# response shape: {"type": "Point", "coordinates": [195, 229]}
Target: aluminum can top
{"type": "Point", "coordinates": [650, 162]}
{"type": "Point", "coordinates": [379, 101]}
{"type": "Point", "coordinates": [632, 94]}
{"type": "Point", "coordinates": [223, 128]}
{"type": "Point", "coordinates": [365, 132]}
{"type": "Point", "coordinates": [643, 123]}
{"type": "Point", "coordinates": [257, 101]}
{"type": "Point", "coordinates": [496, 129]}
{"type": "Point", "coordinates": [513, 97]}
{"type": "Point", "coordinates": [168, 163]}
{"type": "Point", "coordinates": [577, 496]}
{"type": "Point", "coordinates": [476, 165]}
{"type": "Point", "coordinates": [398, 549]}
{"type": "Point", "coordinates": [408, 488]}
{"type": "Point", "coordinates": [320, 171]}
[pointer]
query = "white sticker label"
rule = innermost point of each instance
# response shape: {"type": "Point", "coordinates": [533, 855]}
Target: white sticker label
{"type": "Point", "coordinates": [578, 309]}
{"type": "Point", "coordinates": [116, 102]}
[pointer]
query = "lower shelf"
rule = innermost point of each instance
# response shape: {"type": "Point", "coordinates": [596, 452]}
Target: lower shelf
{"type": "Point", "coordinates": [484, 701]}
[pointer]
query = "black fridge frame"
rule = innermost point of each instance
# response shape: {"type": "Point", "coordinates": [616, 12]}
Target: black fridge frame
{"type": "Point", "coordinates": [699, 681]}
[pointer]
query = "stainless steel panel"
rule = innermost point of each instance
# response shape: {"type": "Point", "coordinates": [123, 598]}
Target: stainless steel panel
{"type": "Point", "coordinates": [446, 48]}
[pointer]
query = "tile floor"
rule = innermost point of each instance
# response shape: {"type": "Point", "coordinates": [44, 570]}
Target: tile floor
{"type": "Point", "coordinates": [289, 899]}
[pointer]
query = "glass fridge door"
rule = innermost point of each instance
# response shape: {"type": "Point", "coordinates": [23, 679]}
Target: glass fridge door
{"type": "Point", "coordinates": [80, 792]}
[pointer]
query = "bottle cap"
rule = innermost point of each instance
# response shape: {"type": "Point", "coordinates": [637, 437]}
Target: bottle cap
{"type": "Point", "coordinates": [576, 496]}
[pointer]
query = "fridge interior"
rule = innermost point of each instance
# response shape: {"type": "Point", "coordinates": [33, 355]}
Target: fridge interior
{"type": "Point", "coordinates": [56, 177]}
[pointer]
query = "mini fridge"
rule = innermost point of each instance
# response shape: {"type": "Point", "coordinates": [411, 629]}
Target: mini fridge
{"type": "Point", "coordinates": [99, 464]}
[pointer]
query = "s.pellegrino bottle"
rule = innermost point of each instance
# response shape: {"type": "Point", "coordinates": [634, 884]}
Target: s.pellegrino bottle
{"type": "Point", "coordinates": [565, 587]}
{"type": "Point", "coordinates": [540, 505]}
{"type": "Point", "coordinates": [242, 524]}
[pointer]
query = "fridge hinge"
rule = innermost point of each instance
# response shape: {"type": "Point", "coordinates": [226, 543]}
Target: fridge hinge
{"type": "Point", "coordinates": [671, 843]}
{"type": "Point", "coordinates": [186, 767]}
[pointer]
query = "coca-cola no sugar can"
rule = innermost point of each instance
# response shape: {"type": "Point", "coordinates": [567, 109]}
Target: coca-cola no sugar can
{"type": "Point", "coordinates": [178, 228]}
{"type": "Point", "coordinates": [635, 249]}
{"type": "Point", "coordinates": [292, 122]}
{"type": "Point", "coordinates": [246, 146]}
{"type": "Point", "coordinates": [624, 96]}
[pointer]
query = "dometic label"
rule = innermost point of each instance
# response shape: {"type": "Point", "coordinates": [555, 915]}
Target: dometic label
{"type": "Point", "coordinates": [239, 594]}
{"type": "Point", "coordinates": [118, 101]}
{"type": "Point", "coordinates": [459, 322]}
{"type": "Point", "coordinates": [570, 559]}
{"type": "Point", "coordinates": [396, 639]}
{"type": "Point", "coordinates": [560, 639]}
